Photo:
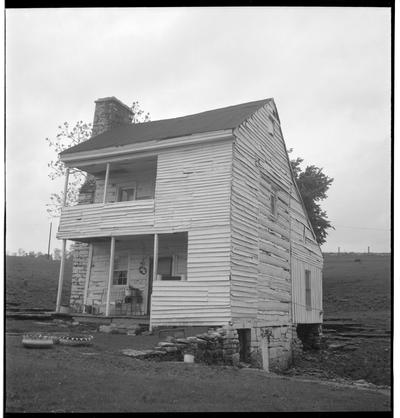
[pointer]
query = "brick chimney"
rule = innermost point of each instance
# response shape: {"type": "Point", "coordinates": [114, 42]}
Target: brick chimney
{"type": "Point", "coordinates": [110, 113]}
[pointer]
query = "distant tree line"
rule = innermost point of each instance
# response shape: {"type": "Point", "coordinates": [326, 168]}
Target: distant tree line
{"type": "Point", "coordinates": [56, 255]}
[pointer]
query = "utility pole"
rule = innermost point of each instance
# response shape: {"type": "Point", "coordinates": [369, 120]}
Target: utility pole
{"type": "Point", "coordinates": [48, 247]}
{"type": "Point", "coordinates": [338, 250]}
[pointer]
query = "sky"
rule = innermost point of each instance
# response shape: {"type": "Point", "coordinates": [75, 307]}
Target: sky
{"type": "Point", "coordinates": [328, 70]}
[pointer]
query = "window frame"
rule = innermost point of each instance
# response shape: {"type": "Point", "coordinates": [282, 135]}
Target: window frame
{"type": "Point", "coordinates": [119, 272]}
{"type": "Point", "coordinates": [308, 289]}
{"type": "Point", "coordinates": [121, 269]}
{"type": "Point", "coordinates": [126, 186]}
{"type": "Point", "coordinates": [274, 202]}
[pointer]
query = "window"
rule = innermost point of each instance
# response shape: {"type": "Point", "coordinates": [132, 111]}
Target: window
{"type": "Point", "coordinates": [274, 203]}
{"type": "Point", "coordinates": [126, 194]}
{"type": "Point", "coordinates": [120, 276]}
{"type": "Point", "coordinates": [164, 269]}
{"type": "Point", "coordinates": [308, 290]}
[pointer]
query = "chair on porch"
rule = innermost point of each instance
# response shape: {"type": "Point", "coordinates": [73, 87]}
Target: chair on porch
{"type": "Point", "coordinates": [117, 299]}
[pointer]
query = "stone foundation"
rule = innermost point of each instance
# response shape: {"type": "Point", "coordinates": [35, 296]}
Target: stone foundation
{"type": "Point", "coordinates": [79, 268]}
{"type": "Point", "coordinates": [216, 346]}
{"type": "Point", "coordinates": [271, 347]}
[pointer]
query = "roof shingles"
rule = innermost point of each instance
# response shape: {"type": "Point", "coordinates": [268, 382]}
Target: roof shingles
{"type": "Point", "coordinates": [209, 121]}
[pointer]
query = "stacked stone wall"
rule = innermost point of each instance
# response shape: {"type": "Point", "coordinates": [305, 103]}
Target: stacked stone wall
{"type": "Point", "coordinates": [216, 346]}
{"type": "Point", "coordinates": [81, 252]}
{"type": "Point", "coordinates": [79, 269]}
{"type": "Point", "coordinates": [273, 347]}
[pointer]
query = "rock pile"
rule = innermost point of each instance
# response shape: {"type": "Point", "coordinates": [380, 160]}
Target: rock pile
{"type": "Point", "coordinates": [216, 346]}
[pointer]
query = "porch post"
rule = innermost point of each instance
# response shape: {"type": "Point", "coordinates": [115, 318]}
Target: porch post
{"type": "Point", "coordinates": [155, 257]}
{"type": "Point", "coordinates": [61, 276]}
{"type": "Point", "coordinates": [65, 187]}
{"type": "Point", "coordinates": [89, 266]}
{"type": "Point", "coordinates": [110, 275]}
{"type": "Point", "coordinates": [106, 182]}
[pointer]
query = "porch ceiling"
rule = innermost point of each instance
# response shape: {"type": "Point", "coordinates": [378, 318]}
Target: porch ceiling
{"type": "Point", "coordinates": [123, 167]}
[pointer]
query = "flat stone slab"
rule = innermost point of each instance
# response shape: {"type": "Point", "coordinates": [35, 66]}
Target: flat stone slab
{"type": "Point", "coordinates": [142, 354]}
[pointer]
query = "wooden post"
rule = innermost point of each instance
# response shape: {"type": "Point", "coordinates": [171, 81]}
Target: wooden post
{"type": "Point", "coordinates": [61, 276]}
{"type": "Point", "coordinates": [65, 187]}
{"type": "Point", "coordinates": [155, 268]}
{"type": "Point", "coordinates": [265, 353]}
{"type": "Point", "coordinates": [110, 275]}
{"type": "Point", "coordinates": [106, 182]}
{"type": "Point", "coordinates": [88, 268]}
{"type": "Point", "coordinates": [155, 257]}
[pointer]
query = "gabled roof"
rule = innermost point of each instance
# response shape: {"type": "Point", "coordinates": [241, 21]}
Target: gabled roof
{"type": "Point", "coordinates": [211, 120]}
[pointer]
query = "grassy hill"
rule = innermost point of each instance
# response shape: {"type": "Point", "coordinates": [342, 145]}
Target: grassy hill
{"type": "Point", "coordinates": [32, 282]}
{"type": "Point", "coordinates": [358, 287]}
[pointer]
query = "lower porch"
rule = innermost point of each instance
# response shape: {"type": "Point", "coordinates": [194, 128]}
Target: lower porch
{"type": "Point", "coordinates": [113, 276]}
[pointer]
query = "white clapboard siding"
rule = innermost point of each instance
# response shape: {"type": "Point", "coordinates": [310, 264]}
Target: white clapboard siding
{"type": "Point", "coordinates": [209, 254]}
{"type": "Point", "coordinates": [204, 298]}
{"type": "Point", "coordinates": [193, 186]}
{"type": "Point", "coordinates": [191, 303]}
{"type": "Point", "coordinates": [96, 220]}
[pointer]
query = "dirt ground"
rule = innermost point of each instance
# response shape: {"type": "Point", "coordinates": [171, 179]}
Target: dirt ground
{"type": "Point", "coordinates": [98, 378]}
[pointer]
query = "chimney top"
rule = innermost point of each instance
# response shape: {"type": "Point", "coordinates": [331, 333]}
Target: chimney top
{"type": "Point", "coordinates": [113, 99]}
{"type": "Point", "coordinates": [110, 113]}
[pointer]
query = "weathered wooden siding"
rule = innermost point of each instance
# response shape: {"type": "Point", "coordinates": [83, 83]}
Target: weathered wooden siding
{"type": "Point", "coordinates": [100, 220]}
{"type": "Point", "coordinates": [261, 288]}
{"type": "Point", "coordinates": [204, 299]}
{"type": "Point", "coordinates": [191, 303]}
{"type": "Point", "coordinates": [193, 194]}
{"type": "Point", "coordinates": [193, 187]}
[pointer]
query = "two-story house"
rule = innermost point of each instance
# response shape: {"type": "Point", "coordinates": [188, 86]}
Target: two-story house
{"type": "Point", "coordinates": [193, 221]}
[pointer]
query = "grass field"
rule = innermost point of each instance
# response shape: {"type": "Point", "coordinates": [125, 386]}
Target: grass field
{"type": "Point", "coordinates": [32, 282]}
{"type": "Point", "coordinates": [360, 290]}
{"type": "Point", "coordinates": [98, 378]}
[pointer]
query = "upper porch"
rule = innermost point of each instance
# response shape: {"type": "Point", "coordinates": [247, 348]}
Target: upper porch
{"type": "Point", "coordinates": [120, 201]}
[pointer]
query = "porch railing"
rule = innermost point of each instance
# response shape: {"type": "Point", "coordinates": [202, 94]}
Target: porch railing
{"type": "Point", "coordinates": [102, 219]}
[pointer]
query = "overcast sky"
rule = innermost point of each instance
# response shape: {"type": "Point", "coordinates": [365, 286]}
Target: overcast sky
{"type": "Point", "coordinates": [328, 70]}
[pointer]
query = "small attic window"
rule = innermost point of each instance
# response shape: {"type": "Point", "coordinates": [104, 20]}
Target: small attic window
{"type": "Point", "coordinates": [308, 289]}
{"type": "Point", "coordinates": [274, 199]}
{"type": "Point", "coordinates": [271, 124]}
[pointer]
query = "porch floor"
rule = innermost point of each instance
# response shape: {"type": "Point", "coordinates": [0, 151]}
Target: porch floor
{"type": "Point", "coordinates": [85, 318]}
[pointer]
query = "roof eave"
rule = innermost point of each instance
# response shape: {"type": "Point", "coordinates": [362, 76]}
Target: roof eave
{"type": "Point", "coordinates": [116, 152]}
